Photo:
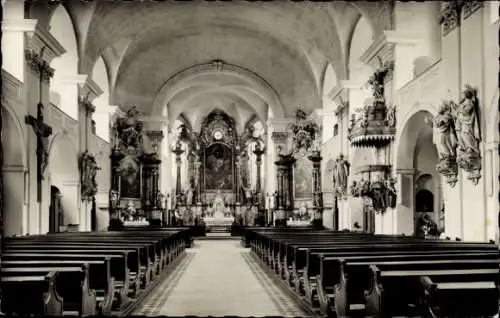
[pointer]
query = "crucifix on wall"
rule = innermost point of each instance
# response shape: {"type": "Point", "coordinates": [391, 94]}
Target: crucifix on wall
{"type": "Point", "coordinates": [42, 131]}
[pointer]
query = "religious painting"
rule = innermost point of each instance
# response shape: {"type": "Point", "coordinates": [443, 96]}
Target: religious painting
{"type": "Point", "coordinates": [130, 178]}
{"type": "Point", "coordinates": [303, 178]}
{"type": "Point", "coordinates": [218, 167]}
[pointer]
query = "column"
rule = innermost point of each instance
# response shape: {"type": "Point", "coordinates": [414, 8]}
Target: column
{"type": "Point", "coordinates": [316, 158]}
{"type": "Point", "coordinates": [197, 184]}
{"type": "Point", "coordinates": [449, 19]}
{"type": "Point", "coordinates": [284, 167]}
{"type": "Point", "coordinates": [405, 219]}
{"type": "Point", "coordinates": [178, 151]}
{"type": "Point", "coordinates": [238, 185]}
{"type": "Point", "coordinates": [258, 154]}
{"type": "Point", "coordinates": [88, 92]}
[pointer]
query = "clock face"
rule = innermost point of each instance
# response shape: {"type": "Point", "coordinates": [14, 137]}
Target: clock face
{"type": "Point", "coordinates": [218, 135]}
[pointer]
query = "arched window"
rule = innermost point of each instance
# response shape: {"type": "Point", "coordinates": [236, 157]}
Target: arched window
{"type": "Point", "coordinates": [424, 201]}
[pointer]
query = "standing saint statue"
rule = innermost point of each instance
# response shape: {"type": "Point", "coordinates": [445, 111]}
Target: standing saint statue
{"type": "Point", "coordinates": [445, 130]}
{"type": "Point", "coordinates": [468, 123]}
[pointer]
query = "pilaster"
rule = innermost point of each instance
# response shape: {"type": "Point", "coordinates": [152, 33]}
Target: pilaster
{"type": "Point", "coordinates": [40, 49]}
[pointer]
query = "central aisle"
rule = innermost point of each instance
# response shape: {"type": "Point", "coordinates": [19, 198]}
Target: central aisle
{"type": "Point", "coordinates": [218, 278]}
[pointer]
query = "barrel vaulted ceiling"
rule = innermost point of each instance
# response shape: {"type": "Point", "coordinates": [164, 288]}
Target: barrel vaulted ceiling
{"type": "Point", "coordinates": [276, 51]}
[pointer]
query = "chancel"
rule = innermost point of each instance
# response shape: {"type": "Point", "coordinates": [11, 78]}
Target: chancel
{"type": "Point", "coordinates": [280, 158]}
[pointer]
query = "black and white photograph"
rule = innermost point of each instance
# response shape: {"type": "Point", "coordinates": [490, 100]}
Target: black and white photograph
{"type": "Point", "coordinates": [250, 158]}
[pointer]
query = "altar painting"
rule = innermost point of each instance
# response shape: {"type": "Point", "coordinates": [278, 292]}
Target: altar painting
{"type": "Point", "coordinates": [303, 178]}
{"type": "Point", "coordinates": [218, 167]}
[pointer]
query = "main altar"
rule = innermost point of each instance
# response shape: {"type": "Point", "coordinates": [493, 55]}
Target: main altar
{"type": "Point", "coordinates": [218, 191]}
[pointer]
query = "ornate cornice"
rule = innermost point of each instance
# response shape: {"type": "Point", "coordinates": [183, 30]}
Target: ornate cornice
{"type": "Point", "coordinates": [90, 89]}
{"type": "Point", "coordinates": [155, 135]}
{"type": "Point", "coordinates": [39, 65]}
{"type": "Point", "coordinates": [449, 17]}
{"type": "Point", "coordinates": [24, 25]}
{"type": "Point", "coordinates": [380, 51]}
{"type": "Point", "coordinates": [470, 7]}
{"type": "Point", "coordinates": [40, 39]}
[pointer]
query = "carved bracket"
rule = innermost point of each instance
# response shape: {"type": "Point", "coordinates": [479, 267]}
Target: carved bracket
{"type": "Point", "coordinates": [381, 191]}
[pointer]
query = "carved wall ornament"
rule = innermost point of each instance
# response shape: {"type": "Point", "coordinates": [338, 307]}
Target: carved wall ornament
{"type": "Point", "coordinates": [382, 192]}
{"type": "Point", "coordinates": [88, 172]}
{"type": "Point", "coordinates": [127, 133]}
{"type": "Point", "coordinates": [37, 64]}
{"type": "Point", "coordinates": [304, 132]}
{"type": "Point", "coordinates": [86, 105]}
{"type": "Point", "coordinates": [470, 7]}
{"type": "Point", "coordinates": [379, 78]}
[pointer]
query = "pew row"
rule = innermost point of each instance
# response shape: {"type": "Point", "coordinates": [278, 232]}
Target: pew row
{"type": "Point", "coordinates": [356, 274]}
{"type": "Point", "coordinates": [120, 269]}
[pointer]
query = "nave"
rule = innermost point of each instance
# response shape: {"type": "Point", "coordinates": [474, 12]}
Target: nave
{"type": "Point", "coordinates": [219, 278]}
{"type": "Point", "coordinates": [268, 272]}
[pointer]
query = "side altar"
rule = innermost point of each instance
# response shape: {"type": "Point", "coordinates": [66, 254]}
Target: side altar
{"type": "Point", "coordinates": [134, 196]}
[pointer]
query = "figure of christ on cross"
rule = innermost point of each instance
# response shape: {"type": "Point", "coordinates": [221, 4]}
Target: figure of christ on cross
{"type": "Point", "coordinates": [42, 131]}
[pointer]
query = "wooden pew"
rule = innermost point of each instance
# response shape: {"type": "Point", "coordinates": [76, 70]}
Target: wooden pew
{"type": "Point", "coordinates": [455, 288]}
{"type": "Point", "coordinates": [31, 295]}
{"type": "Point", "coordinates": [100, 279]}
{"type": "Point", "coordinates": [279, 244]}
{"type": "Point", "coordinates": [71, 284]}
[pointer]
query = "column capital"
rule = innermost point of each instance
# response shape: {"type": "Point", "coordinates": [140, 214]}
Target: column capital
{"type": "Point", "coordinates": [279, 124]}
{"type": "Point", "coordinates": [39, 65]}
{"type": "Point", "coordinates": [155, 135]}
{"type": "Point", "coordinates": [86, 105]}
{"type": "Point", "coordinates": [407, 171]}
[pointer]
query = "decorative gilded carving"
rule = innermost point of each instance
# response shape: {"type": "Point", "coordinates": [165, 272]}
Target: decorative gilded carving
{"type": "Point", "coordinates": [155, 136]}
{"type": "Point", "coordinates": [37, 64]}
{"type": "Point", "coordinates": [381, 191]}
{"type": "Point", "coordinates": [304, 132]}
{"type": "Point", "coordinates": [375, 126]}
{"type": "Point", "coordinates": [88, 172]}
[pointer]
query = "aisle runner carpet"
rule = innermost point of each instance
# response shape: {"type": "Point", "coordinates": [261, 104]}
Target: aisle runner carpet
{"type": "Point", "coordinates": [218, 278]}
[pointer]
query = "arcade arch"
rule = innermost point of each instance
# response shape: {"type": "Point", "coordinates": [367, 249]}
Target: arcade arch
{"type": "Point", "coordinates": [416, 159]}
{"type": "Point", "coordinates": [13, 170]}
{"type": "Point", "coordinates": [63, 173]}
{"type": "Point", "coordinates": [64, 84]}
{"type": "Point", "coordinates": [103, 109]}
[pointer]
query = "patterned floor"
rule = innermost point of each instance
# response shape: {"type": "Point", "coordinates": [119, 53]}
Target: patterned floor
{"type": "Point", "coordinates": [218, 278]}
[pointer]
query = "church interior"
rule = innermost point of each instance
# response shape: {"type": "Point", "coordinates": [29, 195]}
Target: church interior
{"type": "Point", "coordinates": [250, 158]}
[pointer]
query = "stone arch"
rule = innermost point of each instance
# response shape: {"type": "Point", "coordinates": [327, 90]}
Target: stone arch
{"type": "Point", "coordinates": [416, 158]}
{"type": "Point", "coordinates": [359, 40]}
{"type": "Point", "coordinates": [255, 84]}
{"type": "Point", "coordinates": [13, 171]}
{"type": "Point", "coordinates": [63, 173]}
{"type": "Point", "coordinates": [402, 159]}
{"type": "Point", "coordinates": [63, 88]}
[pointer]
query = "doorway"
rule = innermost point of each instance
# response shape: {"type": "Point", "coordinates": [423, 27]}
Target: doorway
{"type": "Point", "coordinates": [55, 210]}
